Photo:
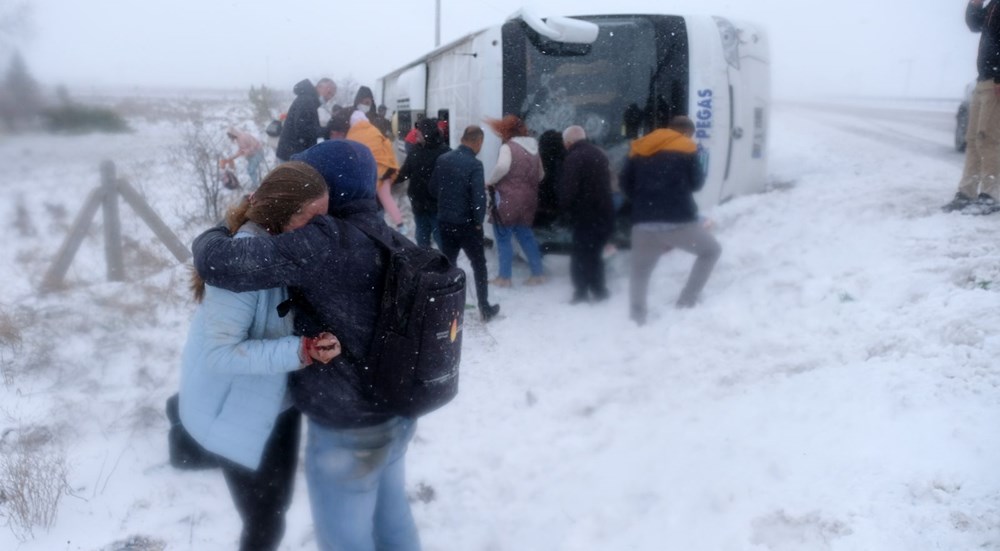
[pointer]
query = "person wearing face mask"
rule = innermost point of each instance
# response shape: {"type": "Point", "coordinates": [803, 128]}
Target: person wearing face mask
{"type": "Point", "coordinates": [364, 101]}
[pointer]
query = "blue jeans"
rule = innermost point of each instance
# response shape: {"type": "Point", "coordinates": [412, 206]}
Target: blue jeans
{"type": "Point", "coordinates": [357, 487]}
{"type": "Point", "coordinates": [427, 227]}
{"type": "Point", "coordinates": [505, 250]}
{"type": "Point", "coordinates": [253, 167]}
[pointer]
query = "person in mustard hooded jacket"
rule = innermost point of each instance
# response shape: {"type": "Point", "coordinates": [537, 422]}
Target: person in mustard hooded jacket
{"type": "Point", "coordinates": [660, 177]}
{"type": "Point", "coordinates": [364, 132]}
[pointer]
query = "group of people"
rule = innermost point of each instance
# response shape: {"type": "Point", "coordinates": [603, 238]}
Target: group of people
{"type": "Point", "coordinates": [289, 293]}
{"type": "Point", "coordinates": [285, 321]}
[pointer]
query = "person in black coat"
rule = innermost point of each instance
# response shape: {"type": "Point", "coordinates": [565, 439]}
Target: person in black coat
{"type": "Point", "coordinates": [584, 192]}
{"type": "Point", "coordinates": [417, 168]}
{"type": "Point", "coordinates": [459, 186]}
{"type": "Point", "coordinates": [301, 128]}
{"type": "Point", "coordinates": [552, 152]}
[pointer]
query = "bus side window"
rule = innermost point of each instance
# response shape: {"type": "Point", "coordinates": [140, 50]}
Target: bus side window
{"type": "Point", "coordinates": [443, 125]}
{"type": "Point", "coordinates": [404, 123]}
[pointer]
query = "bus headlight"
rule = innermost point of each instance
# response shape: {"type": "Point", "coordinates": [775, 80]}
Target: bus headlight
{"type": "Point", "coordinates": [730, 42]}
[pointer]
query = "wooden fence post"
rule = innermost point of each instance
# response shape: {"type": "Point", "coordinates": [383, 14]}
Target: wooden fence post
{"type": "Point", "coordinates": [112, 224]}
{"type": "Point", "coordinates": [54, 277]}
{"type": "Point", "coordinates": [106, 195]}
{"type": "Point", "coordinates": [148, 215]}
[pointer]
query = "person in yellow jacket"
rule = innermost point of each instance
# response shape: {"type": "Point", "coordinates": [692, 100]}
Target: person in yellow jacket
{"type": "Point", "coordinates": [660, 177]}
{"type": "Point", "coordinates": [363, 131]}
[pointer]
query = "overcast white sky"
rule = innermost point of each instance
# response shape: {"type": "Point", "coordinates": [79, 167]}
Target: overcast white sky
{"type": "Point", "coordinates": [918, 48]}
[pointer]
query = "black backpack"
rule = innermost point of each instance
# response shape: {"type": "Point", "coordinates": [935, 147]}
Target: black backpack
{"type": "Point", "coordinates": [412, 366]}
{"type": "Point", "coordinates": [274, 128]}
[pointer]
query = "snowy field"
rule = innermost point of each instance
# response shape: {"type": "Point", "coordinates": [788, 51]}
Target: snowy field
{"type": "Point", "coordinates": [838, 389]}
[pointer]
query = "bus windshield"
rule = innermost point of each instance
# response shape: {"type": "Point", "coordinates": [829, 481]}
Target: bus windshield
{"type": "Point", "coordinates": [619, 87]}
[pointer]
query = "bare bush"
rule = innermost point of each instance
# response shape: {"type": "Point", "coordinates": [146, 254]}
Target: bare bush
{"type": "Point", "coordinates": [264, 103]}
{"type": "Point", "coordinates": [32, 480]}
{"type": "Point", "coordinates": [22, 219]}
{"type": "Point", "coordinates": [10, 344]}
{"type": "Point", "coordinates": [199, 156]}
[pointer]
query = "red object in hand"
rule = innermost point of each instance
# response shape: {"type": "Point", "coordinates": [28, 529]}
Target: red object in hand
{"type": "Point", "coordinates": [308, 345]}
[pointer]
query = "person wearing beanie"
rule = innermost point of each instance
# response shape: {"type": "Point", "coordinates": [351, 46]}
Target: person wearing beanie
{"type": "Point", "coordinates": [363, 131]}
{"type": "Point", "coordinates": [333, 271]}
{"type": "Point", "coordinates": [417, 168]}
{"type": "Point", "coordinates": [660, 177]}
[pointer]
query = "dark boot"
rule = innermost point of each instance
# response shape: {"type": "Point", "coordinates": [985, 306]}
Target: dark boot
{"type": "Point", "coordinates": [960, 201]}
{"type": "Point", "coordinates": [488, 312]}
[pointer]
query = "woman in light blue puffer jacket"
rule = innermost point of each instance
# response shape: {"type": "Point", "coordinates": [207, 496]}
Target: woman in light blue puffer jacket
{"type": "Point", "coordinates": [234, 398]}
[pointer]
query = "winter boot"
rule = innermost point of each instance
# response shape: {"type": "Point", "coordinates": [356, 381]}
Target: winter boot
{"type": "Point", "coordinates": [488, 311]}
{"type": "Point", "coordinates": [960, 201]}
{"type": "Point", "coordinates": [986, 204]}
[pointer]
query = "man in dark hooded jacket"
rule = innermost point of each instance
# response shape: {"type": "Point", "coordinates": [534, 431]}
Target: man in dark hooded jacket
{"type": "Point", "coordinates": [660, 176]}
{"type": "Point", "coordinates": [301, 128]}
{"type": "Point", "coordinates": [417, 168]}
{"type": "Point", "coordinates": [584, 191]}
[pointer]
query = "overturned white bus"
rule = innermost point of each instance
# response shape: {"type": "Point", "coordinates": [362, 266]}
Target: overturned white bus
{"type": "Point", "coordinates": [618, 76]}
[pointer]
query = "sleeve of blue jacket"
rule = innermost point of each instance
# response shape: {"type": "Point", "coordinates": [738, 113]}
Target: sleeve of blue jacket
{"type": "Point", "coordinates": [228, 346]}
{"type": "Point", "coordinates": [262, 262]}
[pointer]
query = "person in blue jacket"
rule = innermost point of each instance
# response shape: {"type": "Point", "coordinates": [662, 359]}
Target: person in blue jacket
{"type": "Point", "coordinates": [458, 186]}
{"type": "Point", "coordinates": [356, 451]}
{"type": "Point", "coordinates": [234, 379]}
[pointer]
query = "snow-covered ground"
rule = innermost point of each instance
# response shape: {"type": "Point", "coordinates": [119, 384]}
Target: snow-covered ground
{"type": "Point", "coordinates": [836, 390]}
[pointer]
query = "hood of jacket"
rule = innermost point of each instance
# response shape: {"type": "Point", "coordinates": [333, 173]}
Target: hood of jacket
{"type": "Point", "coordinates": [661, 140]}
{"type": "Point", "coordinates": [305, 87]}
{"type": "Point", "coordinates": [527, 142]}
{"type": "Point", "coordinates": [348, 168]}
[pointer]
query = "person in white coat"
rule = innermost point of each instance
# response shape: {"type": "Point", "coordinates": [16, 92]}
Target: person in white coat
{"type": "Point", "coordinates": [234, 395]}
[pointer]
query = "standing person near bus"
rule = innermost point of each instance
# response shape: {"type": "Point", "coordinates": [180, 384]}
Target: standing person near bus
{"type": "Point", "coordinates": [249, 147]}
{"type": "Point", "coordinates": [457, 184]}
{"type": "Point", "coordinates": [584, 191]}
{"type": "Point", "coordinates": [513, 185]}
{"type": "Point", "coordinates": [301, 128]}
{"type": "Point", "coordinates": [660, 176]}
{"type": "Point", "coordinates": [417, 168]}
{"type": "Point", "coordinates": [979, 188]}
{"type": "Point", "coordinates": [239, 353]}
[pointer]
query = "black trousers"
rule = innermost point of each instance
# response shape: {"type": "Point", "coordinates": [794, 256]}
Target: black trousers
{"type": "Point", "coordinates": [469, 239]}
{"type": "Point", "coordinates": [262, 497]}
{"type": "Point", "coordinates": [586, 262]}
